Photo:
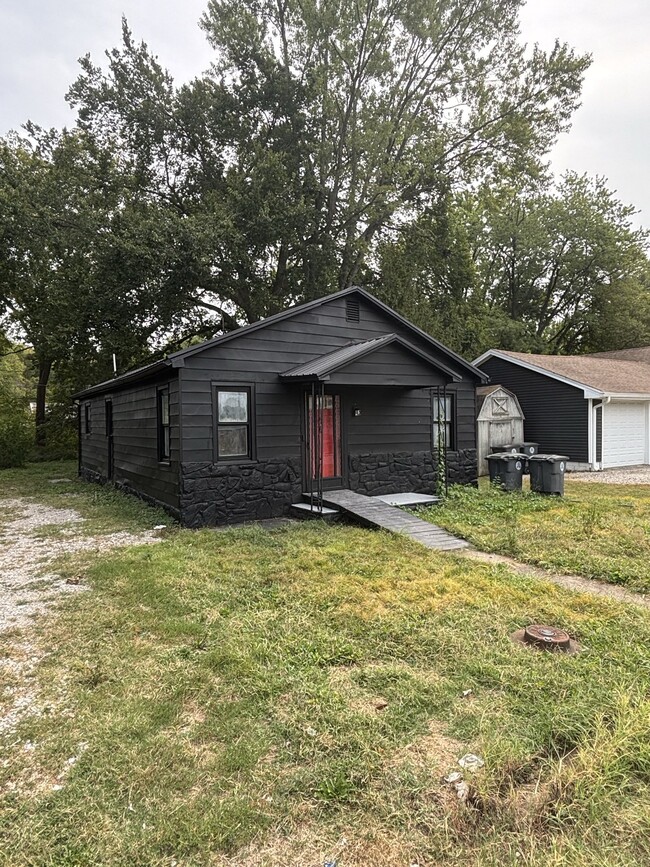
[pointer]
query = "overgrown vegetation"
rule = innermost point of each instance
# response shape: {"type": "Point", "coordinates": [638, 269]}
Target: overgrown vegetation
{"type": "Point", "coordinates": [16, 434]}
{"type": "Point", "coordinates": [106, 509]}
{"type": "Point", "coordinates": [253, 697]}
{"type": "Point", "coordinates": [596, 530]}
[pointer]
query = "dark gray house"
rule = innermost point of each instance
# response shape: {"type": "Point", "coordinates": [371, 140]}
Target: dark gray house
{"type": "Point", "coordinates": [341, 392]}
{"type": "Point", "coordinates": [593, 408]}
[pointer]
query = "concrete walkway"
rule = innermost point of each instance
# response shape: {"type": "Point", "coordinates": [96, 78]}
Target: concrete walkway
{"type": "Point", "coordinates": [571, 582]}
{"type": "Point", "coordinates": [371, 512]}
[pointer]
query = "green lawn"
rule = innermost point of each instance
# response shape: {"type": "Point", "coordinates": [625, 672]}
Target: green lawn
{"type": "Point", "coordinates": [600, 531]}
{"type": "Point", "coordinates": [220, 696]}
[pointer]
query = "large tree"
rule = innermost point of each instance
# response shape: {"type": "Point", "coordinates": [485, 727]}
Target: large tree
{"type": "Point", "coordinates": [560, 260]}
{"type": "Point", "coordinates": [80, 259]}
{"type": "Point", "coordinates": [321, 126]}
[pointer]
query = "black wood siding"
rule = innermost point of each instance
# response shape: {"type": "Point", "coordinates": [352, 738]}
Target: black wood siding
{"type": "Point", "coordinates": [556, 413]}
{"type": "Point", "coordinates": [135, 438]}
{"type": "Point", "coordinates": [391, 417]}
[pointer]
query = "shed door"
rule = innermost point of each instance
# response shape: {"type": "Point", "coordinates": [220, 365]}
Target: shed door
{"type": "Point", "coordinates": [625, 434]}
{"type": "Point", "coordinates": [501, 432]}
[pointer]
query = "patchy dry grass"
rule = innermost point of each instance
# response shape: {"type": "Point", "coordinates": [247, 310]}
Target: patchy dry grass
{"type": "Point", "coordinates": [600, 531]}
{"type": "Point", "coordinates": [55, 483]}
{"type": "Point", "coordinates": [255, 697]}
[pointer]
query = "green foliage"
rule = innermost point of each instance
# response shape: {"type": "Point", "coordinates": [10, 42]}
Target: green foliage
{"type": "Point", "coordinates": [104, 508]}
{"type": "Point", "coordinates": [560, 260]}
{"type": "Point", "coordinates": [16, 436]}
{"type": "Point", "coordinates": [523, 265]}
{"type": "Point", "coordinates": [598, 531]}
{"type": "Point", "coordinates": [320, 127]}
{"type": "Point", "coordinates": [402, 146]}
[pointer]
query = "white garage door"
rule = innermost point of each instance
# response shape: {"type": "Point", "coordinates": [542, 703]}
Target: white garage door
{"type": "Point", "coordinates": [624, 434]}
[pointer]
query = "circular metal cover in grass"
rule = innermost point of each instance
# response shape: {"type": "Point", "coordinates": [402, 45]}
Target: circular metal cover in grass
{"type": "Point", "coordinates": [544, 637]}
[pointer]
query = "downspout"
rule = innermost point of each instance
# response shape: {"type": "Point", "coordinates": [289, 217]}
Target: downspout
{"type": "Point", "coordinates": [606, 399]}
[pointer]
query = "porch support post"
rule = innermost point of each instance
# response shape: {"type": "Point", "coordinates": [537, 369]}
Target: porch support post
{"type": "Point", "coordinates": [311, 442]}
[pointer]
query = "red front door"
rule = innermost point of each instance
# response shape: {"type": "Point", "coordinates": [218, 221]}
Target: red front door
{"type": "Point", "coordinates": [324, 453]}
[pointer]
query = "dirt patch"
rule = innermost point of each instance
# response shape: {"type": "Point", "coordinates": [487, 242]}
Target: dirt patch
{"type": "Point", "coordinates": [342, 680]}
{"type": "Point", "coordinates": [29, 588]}
{"type": "Point", "coordinates": [434, 750]}
{"type": "Point", "coordinates": [306, 846]}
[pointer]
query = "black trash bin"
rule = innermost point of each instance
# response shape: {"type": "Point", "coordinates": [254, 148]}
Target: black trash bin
{"type": "Point", "coordinates": [506, 470]}
{"type": "Point", "coordinates": [509, 448]}
{"type": "Point", "coordinates": [547, 474]}
{"type": "Point", "coordinates": [527, 449]}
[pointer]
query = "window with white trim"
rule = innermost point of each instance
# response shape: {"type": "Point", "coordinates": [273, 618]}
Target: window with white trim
{"type": "Point", "coordinates": [233, 426]}
{"type": "Point", "coordinates": [444, 428]}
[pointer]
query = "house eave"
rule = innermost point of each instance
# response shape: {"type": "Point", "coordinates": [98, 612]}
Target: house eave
{"type": "Point", "coordinates": [587, 390]}
{"type": "Point", "coordinates": [124, 380]}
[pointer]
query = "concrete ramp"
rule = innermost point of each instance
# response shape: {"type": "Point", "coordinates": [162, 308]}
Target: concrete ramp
{"type": "Point", "coordinates": [372, 512]}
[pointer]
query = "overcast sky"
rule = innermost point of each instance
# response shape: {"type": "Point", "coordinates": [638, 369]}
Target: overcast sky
{"type": "Point", "coordinates": [40, 41]}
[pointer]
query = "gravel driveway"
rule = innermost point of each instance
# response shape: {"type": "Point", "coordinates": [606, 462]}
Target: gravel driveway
{"type": "Point", "coordinates": [30, 542]}
{"type": "Point", "coordinates": [639, 475]}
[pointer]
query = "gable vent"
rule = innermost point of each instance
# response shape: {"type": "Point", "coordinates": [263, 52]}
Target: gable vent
{"type": "Point", "coordinates": [352, 309]}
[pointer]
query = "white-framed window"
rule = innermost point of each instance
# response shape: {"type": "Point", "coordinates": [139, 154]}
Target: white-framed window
{"type": "Point", "coordinates": [444, 427]}
{"type": "Point", "coordinates": [233, 422]}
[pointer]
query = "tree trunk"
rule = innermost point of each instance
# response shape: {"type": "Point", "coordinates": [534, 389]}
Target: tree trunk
{"type": "Point", "coordinates": [44, 369]}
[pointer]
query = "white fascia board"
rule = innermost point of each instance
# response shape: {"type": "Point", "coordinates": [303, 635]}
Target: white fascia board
{"type": "Point", "coordinates": [617, 395]}
{"type": "Point", "coordinates": [494, 353]}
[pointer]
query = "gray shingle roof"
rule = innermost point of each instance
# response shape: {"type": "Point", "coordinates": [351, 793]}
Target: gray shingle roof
{"type": "Point", "coordinates": [612, 373]}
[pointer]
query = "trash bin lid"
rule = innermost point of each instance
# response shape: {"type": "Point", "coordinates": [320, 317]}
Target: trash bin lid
{"type": "Point", "coordinates": [551, 459]}
{"type": "Point", "coordinates": [506, 456]}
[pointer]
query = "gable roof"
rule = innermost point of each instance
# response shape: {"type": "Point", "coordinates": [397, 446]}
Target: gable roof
{"type": "Point", "coordinates": [485, 391]}
{"type": "Point", "coordinates": [640, 353]}
{"type": "Point", "coordinates": [321, 367]}
{"type": "Point", "coordinates": [177, 359]}
{"type": "Point", "coordinates": [595, 375]}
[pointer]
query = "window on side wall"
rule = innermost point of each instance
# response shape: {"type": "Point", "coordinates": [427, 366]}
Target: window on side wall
{"type": "Point", "coordinates": [87, 419]}
{"type": "Point", "coordinates": [164, 439]}
{"type": "Point", "coordinates": [444, 427]}
{"type": "Point", "coordinates": [233, 422]}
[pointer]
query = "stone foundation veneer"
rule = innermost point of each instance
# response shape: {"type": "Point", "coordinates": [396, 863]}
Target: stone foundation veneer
{"type": "Point", "coordinates": [214, 494]}
{"type": "Point", "coordinates": [395, 472]}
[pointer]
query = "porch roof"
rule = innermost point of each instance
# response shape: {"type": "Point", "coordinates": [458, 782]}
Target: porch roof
{"type": "Point", "coordinates": [323, 367]}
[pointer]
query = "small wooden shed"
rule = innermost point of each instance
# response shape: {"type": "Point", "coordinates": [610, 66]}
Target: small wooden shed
{"type": "Point", "coordinates": [500, 421]}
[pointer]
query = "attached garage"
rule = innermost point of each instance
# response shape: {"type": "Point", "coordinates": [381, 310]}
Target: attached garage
{"type": "Point", "coordinates": [625, 433]}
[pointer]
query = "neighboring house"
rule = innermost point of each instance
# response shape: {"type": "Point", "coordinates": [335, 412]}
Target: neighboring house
{"type": "Point", "coordinates": [339, 392]}
{"type": "Point", "coordinates": [499, 422]}
{"type": "Point", "coordinates": [593, 408]}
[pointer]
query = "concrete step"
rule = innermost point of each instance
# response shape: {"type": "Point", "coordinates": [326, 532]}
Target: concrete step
{"type": "Point", "coordinates": [323, 513]}
{"type": "Point", "coordinates": [408, 499]}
